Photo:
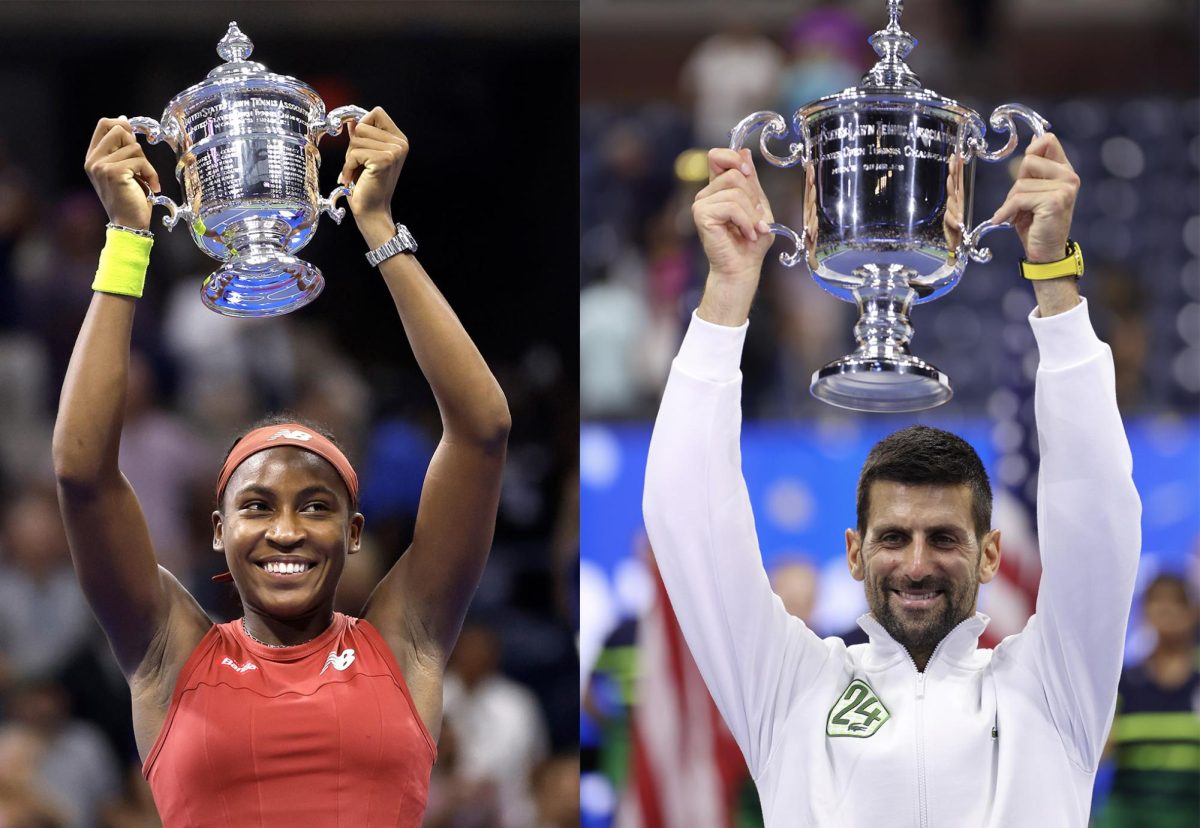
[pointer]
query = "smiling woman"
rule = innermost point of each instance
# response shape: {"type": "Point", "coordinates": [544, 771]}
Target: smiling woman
{"type": "Point", "coordinates": [293, 713]}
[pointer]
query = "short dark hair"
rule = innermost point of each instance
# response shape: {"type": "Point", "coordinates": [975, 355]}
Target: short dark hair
{"type": "Point", "coordinates": [279, 418]}
{"type": "Point", "coordinates": [1170, 582]}
{"type": "Point", "coordinates": [920, 455]}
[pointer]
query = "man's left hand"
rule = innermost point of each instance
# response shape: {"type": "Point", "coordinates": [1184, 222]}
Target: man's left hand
{"type": "Point", "coordinates": [1040, 203]}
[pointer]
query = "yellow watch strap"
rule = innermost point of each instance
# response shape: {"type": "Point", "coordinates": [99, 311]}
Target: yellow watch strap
{"type": "Point", "coordinates": [1070, 265]}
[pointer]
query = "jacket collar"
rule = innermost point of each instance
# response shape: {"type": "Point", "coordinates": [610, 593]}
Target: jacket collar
{"type": "Point", "coordinates": [957, 646]}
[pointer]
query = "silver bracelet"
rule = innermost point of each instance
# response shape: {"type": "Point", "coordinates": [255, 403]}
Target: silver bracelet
{"type": "Point", "coordinates": [145, 234]}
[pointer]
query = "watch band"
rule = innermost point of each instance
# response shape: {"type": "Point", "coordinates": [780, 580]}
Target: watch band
{"type": "Point", "coordinates": [402, 242]}
{"type": "Point", "coordinates": [1069, 265]}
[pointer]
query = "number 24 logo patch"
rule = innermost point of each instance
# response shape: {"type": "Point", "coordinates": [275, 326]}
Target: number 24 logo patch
{"type": "Point", "coordinates": [858, 712]}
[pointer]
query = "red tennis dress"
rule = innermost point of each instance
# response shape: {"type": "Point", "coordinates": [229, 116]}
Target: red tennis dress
{"type": "Point", "coordinates": [322, 734]}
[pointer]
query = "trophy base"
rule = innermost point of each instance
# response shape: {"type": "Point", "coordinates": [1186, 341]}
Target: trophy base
{"type": "Point", "coordinates": [260, 286]}
{"type": "Point", "coordinates": [876, 384]}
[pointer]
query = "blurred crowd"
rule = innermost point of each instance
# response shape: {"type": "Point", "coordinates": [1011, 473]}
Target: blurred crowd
{"type": "Point", "coordinates": [508, 755]}
{"type": "Point", "coordinates": [641, 269]}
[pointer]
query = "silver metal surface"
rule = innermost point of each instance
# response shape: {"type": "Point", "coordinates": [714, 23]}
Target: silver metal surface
{"type": "Point", "coordinates": [246, 143]}
{"type": "Point", "coordinates": [402, 242]}
{"type": "Point", "coordinates": [889, 191]}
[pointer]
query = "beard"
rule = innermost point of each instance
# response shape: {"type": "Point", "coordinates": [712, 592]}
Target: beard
{"type": "Point", "coordinates": [920, 630]}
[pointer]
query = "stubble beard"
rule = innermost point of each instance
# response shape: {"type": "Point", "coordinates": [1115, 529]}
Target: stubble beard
{"type": "Point", "coordinates": [920, 633]}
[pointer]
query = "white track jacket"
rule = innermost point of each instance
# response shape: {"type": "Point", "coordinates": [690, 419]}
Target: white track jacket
{"type": "Point", "coordinates": [839, 736]}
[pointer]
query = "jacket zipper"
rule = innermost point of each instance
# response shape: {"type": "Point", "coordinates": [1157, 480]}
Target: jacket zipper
{"type": "Point", "coordinates": [922, 805]}
{"type": "Point", "coordinates": [922, 793]}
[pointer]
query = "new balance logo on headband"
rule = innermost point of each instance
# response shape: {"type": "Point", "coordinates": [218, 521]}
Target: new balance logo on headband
{"type": "Point", "coordinates": [290, 434]}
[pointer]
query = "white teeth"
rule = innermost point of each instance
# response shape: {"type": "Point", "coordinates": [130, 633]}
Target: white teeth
{"type": "Point", "coordinates": [285, 567]}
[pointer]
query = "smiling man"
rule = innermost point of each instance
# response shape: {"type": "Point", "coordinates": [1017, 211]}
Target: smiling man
{"type": "Point", "coordinates": [923, 544]}
{"type": "Point", "coordinates": [918, 727]}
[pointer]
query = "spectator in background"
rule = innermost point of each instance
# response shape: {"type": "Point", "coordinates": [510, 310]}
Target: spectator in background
{"type": "Point", "coordinates": [165, 461]}
{"type": "Point", "coordinates": [68, 762]}
{"type": "Point", "coordinates": [501, 736]}
{"type": "Point", "coordinates": [556, 788]}
{"type": "Point", "coordinates": [456, 801]}
{"type": "Point", "coordinates": [1156, 734]}
{"type": "Point", "coordinates": [727, 77]}
{"type": "Point", "coordinates": [22, 808]}
{"type": "Point", "coordinates": [44, 620]}
{"type": "Point", "coordinates": [827, 52]}
{"type": "Point", "coordinates": [794, 580]}
{"type": "Point", "coordinates": [612, 318]}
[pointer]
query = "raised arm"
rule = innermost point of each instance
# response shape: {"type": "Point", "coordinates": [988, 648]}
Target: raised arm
{"type": "Point", "coordinates": [420, 604]}
{"type": "Point", "coordinates": [109, 542]}
{"type": "Point", "coordinates": [1088, 510]}
{"type": "Point", "coordinates": [754, 657]}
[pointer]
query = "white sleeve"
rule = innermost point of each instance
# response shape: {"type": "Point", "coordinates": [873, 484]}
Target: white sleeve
{"type": "Point", "coordinates": [1089, 531]}
{"type": "Point", "coordinates": [754, 656]}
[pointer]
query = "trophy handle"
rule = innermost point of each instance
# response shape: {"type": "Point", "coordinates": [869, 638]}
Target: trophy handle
{"type": "Point", "coordinates": [149, 127]}
{"type": "Point", "coordinates": [796, 256]}
{"type": "Point", "coordinates": [1002, 121]}
{"type": "Point", "coordinates": [970, 241]}
{"type": "Point", "coordinates": [329, 205]}
{"type": "Point", "coordinates": [154, 133]}
{"type": "Point", "coordinates": [773, 126]}
{"type": "Point", "coordinates": [333, 122]}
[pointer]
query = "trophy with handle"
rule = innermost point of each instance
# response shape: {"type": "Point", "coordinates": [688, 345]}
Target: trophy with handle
{"type": "Point", "coordinates": [889, 172]}
{"type": "Point", "coordinates": [246, 140]}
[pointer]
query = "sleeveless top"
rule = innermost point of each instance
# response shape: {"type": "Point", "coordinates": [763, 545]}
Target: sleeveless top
{"type": "Point", "coordinates": [322, 733]}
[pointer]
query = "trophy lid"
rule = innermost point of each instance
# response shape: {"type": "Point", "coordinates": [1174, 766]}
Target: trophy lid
{"type": "Point", "coordinates": [890, 82]}
{"type": "Point", "coordinates": [234, 48]}
{"type": "Point", "coordinates": [893, 45]}
{"type": "Point", "coordinates": [237, 72]}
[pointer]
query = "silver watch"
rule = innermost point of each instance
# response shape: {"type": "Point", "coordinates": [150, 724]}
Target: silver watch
{"type": "Point", "coordinates": [402, 242]}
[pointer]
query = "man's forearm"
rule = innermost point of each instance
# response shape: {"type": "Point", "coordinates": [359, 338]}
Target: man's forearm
{"type": "Point", "coordinates": [727, 301]}
{"type": "Point", "coordinates": [1055, 296]}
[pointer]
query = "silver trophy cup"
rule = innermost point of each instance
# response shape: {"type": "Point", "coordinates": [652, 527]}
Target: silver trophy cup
{"type": "Point", "coordinates": [246, 143]}
{"type": "Point", "coordinates": [889, 175]}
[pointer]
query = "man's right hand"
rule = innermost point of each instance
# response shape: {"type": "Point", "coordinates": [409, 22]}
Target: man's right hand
{"type": "Point", "coordinates": [731, 215]}
{"type": "Point", "coordinates": [116, 166]}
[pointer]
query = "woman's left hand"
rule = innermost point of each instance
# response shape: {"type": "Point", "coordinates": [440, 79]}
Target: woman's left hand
{"type": "Point", "coordinates": [373, 162]}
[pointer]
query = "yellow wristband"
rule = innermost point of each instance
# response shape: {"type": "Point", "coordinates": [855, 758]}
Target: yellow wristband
{"type": "Point", "coordinates": [1069, 265]}
{"type": "Point", "coordinates": [123, 263]}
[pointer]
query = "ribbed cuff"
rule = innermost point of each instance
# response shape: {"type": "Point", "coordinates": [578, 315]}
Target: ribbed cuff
{"type": "Point", "coordinates": [712, 352]}
{"type": "Point", "coordinates": [1065, 339]}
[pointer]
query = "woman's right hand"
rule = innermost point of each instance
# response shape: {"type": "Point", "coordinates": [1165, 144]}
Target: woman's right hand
{"type": "Point", "coordinates": [117, 168]}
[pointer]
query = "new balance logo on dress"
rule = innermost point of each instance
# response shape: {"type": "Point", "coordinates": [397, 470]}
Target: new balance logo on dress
{"type": "Point", "coordinates": [242, 668]}
{"type": "Point", "coordinates": [338, 662]}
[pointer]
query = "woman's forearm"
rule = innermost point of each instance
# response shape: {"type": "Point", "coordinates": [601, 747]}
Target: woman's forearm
{"type": "Point", "coordinates": [87, 432]}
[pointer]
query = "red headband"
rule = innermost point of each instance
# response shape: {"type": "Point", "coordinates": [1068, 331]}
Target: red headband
{"type": "Point", "coordinates": [286, 434]}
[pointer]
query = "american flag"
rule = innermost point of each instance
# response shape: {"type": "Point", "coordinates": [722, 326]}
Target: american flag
{"type": "Point", "coordinates": [686, 769]}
